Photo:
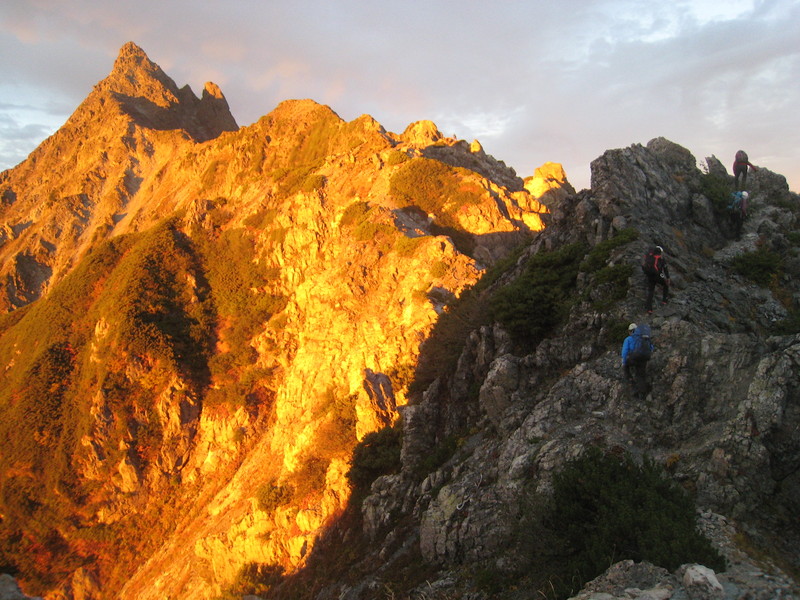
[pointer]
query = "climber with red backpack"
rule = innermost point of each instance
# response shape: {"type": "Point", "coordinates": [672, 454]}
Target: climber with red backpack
{"type": "Point", "coordinates": [740, 166]}
{"type": "Point", "coordinates": [656, 272]}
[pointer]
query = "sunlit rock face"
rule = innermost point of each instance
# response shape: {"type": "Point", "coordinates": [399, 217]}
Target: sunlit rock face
{"type": "Point", "coordinates": [216, 315]}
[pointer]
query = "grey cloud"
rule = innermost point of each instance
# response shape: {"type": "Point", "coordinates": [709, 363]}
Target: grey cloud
{"type": "Point", "coordinates": [17, 140]}
{"type": "Point", "coordinates": [557, 81]}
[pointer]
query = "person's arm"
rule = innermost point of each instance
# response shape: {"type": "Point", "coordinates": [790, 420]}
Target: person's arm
{"type": "Point", "coordinates": [626, 348]}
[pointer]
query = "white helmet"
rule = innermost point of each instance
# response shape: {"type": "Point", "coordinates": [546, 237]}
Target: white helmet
{"type": "Point", "coordinates": [632, 327]}
{"type": "Point", "coordinates": [745, 195]}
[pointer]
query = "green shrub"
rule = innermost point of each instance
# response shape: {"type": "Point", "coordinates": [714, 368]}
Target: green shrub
{"type": "Point", "coordinates": [759, 266]}
{"type": "Point", "coordinates": [233, 276]}
{"type": "Point", "coordinates": [310, 478]}
{"type": "Point", "coordinates": [440, 454]}
{"type": "Point", "coordinates": [598, 257]}
{"type": "Point", "coordinates": [262, 219]}
{"type": "Point", "coordinates": [438, 269]}
{"type": "Point", "coordinates": [541, 297]}
{"type": "Point", "coordinates": [396, 157]}
{"type": "Point", "coordinates": [272, 495]}
{"type": "Point", "coordinates": [156, 313]}
{"type": "Point", "coordinates": [369, 231]}
{"type": "Point", "coordinates": [138, 285]}
{"type": "Point", "coordinates": [293, 179]}
{"type": "Point", "coordinates": [616, 332]}
{"type": "Point", "coordinates": [490, 580]}
{"type": "Point", "coordinates": [314, 182]}
{"type": "Point", "coordinates": [354, 214]}
{"type": "Point", "coordinates": [433, 186]}
{"type": "Point", "coordinates": [607, 508]}
{"type": "Point", "coordinates": [788, 326]}
{"type": "Point", "coordinates": [407, 246]}
{"type": "Point", "coordinates": [717, 188]}
{"type": "Point", "coordinates": [336, 434]}
{"type": "Point", "coordinates": [43, 395]}
{"type": "Point", "coordinates": [377, 454]}
{"type": "Point", "coordinates": [611, 284]}
{"type": "Point", "coordinates": [255, 579]}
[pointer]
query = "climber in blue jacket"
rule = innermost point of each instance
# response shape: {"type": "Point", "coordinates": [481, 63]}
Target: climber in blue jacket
{"type": "Point", "coordinates": [636, 351]}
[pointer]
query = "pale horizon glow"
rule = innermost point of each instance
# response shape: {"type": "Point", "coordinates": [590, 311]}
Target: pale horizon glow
{"type": "Point", "coordinates": [533, 81]}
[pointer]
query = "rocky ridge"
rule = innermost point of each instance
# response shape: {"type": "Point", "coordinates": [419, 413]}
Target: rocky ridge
{"type": "Point", "coordinates": [722, 415]}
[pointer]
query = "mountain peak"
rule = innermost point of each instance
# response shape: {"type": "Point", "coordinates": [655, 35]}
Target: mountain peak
{"type": "Point", "coordinates": [131, 51]}
{"type": "Point", "coordinates": [212, 89]}
{"type": "Point", "coordinates": [149, 96]}
{"type": "Point", "coordinates": [135, 75]}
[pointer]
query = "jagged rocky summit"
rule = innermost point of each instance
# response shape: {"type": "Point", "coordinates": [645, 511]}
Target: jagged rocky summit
{"type": "Point", "coordinates": [81, 182]}
{"type": "Point", "coordinates": [251, 302]}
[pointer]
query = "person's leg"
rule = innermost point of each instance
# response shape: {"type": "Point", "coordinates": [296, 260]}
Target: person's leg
{"type": "Point", "coordinates": [739, 176]}
{"type": "Point", "coordinates": [640, 387]}
{"type": "Point", "coordinates": [664, 290]}
{"type": "Point", "coordinates": [643, 382]}
{"type": "Point", "coordinates": [651, 287]}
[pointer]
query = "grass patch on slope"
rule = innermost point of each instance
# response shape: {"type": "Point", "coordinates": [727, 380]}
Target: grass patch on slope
{"type": "Point", "coordinates": [433, 188]}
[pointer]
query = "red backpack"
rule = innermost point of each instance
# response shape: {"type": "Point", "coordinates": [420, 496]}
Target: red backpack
{"type": "Point", "coordinates": [651, 264]}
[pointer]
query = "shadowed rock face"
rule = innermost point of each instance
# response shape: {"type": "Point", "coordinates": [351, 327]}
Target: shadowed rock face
{"type": "Point", "coordinates": [722, 414]}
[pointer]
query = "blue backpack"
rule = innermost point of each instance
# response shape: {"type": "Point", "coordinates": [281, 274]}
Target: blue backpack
{"type": "Point", "coordinates": [642, 346]}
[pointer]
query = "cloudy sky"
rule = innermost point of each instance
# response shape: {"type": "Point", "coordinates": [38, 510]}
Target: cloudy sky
{"type": "Point", "coordinates": [532, 80]}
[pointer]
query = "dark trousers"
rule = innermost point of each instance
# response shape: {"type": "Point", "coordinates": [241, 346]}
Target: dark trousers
{"type": "Point", "coordinates": [737, 220]}
{"type": "Point", "coordinates": [740, 171]}
{"type": "Point", "coordinates": [652, 282]}
{"type": "Point", "coordinates": [636, 373]}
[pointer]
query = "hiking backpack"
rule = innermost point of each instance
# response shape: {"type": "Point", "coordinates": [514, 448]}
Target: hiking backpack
{"type": "Point", "coordinates": [651, 264]}
{"type": "Point", "coordinates": [642, 348]}
{"type": "Point", "coordinates": [738, 204]}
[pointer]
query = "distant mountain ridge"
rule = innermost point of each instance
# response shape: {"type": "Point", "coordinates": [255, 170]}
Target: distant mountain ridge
{"type": "Point", "coordinates": [201, 314]}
